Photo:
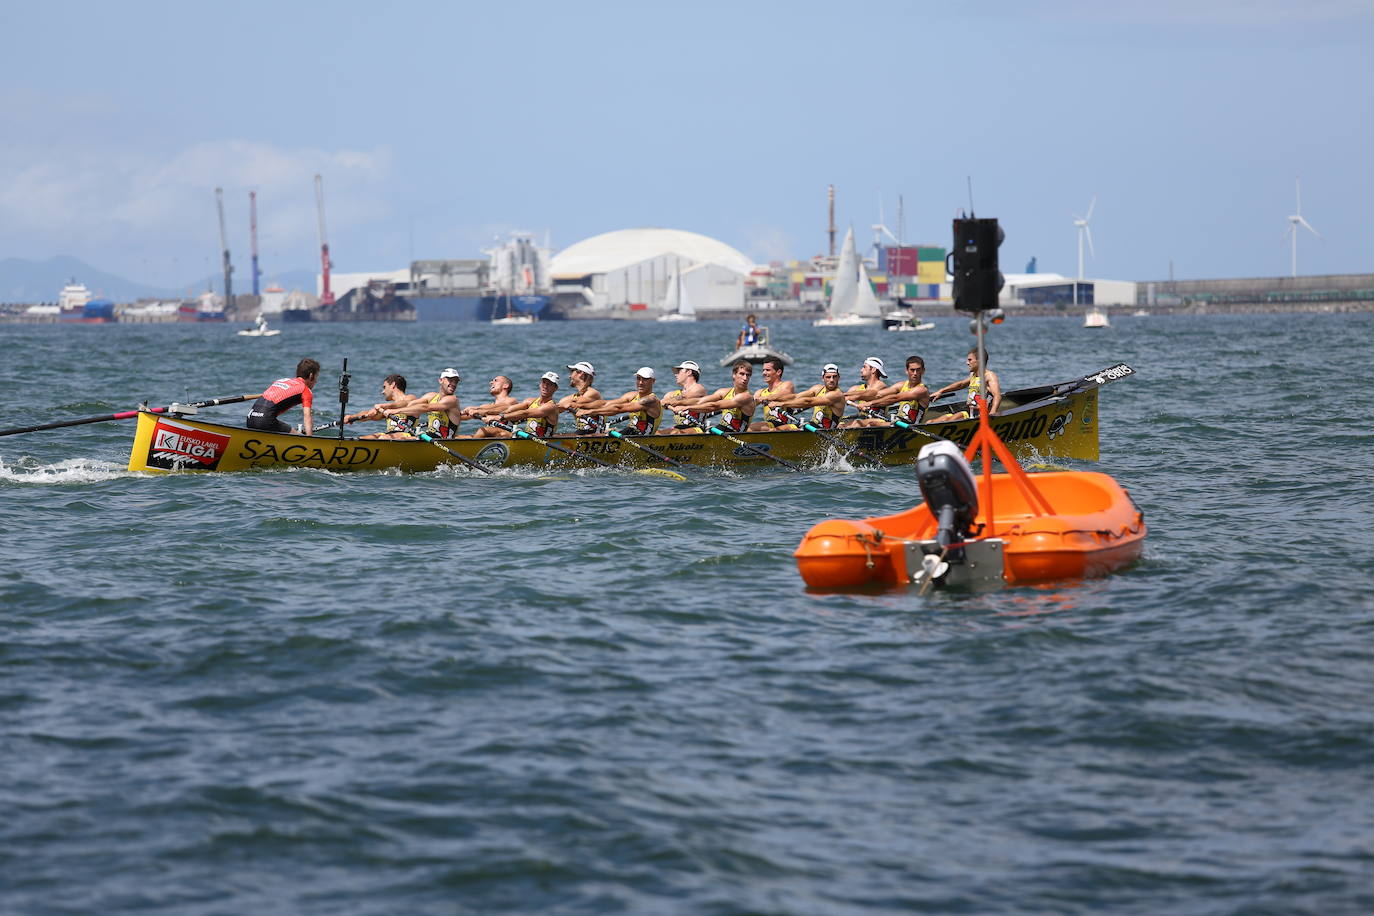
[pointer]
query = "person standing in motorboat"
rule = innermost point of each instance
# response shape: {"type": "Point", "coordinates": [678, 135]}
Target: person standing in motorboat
{"type": "Point", "coordinates": [749, 334]}
{"type": "Point", "coordinates": [284, 394]}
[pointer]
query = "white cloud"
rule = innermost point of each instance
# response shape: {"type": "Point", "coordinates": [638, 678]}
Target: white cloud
{"type": "Point", "coordinates": [116, 207]}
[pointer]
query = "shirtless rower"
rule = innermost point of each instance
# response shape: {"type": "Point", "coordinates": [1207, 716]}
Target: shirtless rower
{"type": "Point", "coordinates": [825, 401]}
{"type": "Point", "coordinates": [499, 388]}
{"type": "Point", "coordinates": [994, 392]}
{"type": "Point", "coordinates": [908, 400]}
{"type": "Point", "coordinates": [735, 404]}
{"type": "Point", "coordinates": [775, 388]}
{"type": "Point", "coordinates": [688, 375]}
{"type": "Point", "coordinates": [642, 406]}
{"type": "Point", "coordinates": [539, 414]}
{"type": "Point", "coordinates": [581, 375]}
{"type": "Point", "coordinates": [872, 373]}
{"type": "Point", "coordinates": [437, 413]}
{"type": "Point", "coordinates": [397, 427]}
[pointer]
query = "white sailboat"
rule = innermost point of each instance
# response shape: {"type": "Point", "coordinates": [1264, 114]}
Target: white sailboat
{"type": "Point", "coordinates": [511, 317]}
{"type": "Point", "coordinates": [852, 303]}
{"type": "Point", "coordinates": [677, 306]}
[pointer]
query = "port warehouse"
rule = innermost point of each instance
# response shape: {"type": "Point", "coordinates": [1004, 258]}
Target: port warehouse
{"type": "Point", "coordinates": [631, 270]}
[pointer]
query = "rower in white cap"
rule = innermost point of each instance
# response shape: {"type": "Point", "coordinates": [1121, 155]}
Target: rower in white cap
{"type": "Point", "coordinates": [688, 375]}
{"type": "Point", "coordinates": [439, 412]}
{"type": "Point", "coordinates": [872, 386]}
{"type": "Point", "coordinates": [825, 401]}
{"type": "Point", "coordinates": [539, 414]}
{"type": "Point", "coordinates": [642, 406]}
{"type": "Point", "coordinates": [581, 374]}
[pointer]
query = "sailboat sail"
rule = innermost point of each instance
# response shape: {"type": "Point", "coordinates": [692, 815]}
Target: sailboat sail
{"type": "Point", "coordinates": [671, 299]}
{"type": "Point", "coordinates": [865, 303]}
{"type": "Point", "coordinates": [845, 288]}
{"type": "Point", "coordinates": [684, 306]}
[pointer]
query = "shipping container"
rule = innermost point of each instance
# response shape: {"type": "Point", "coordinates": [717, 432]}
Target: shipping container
{"type": "Point", "coordinates": [930, 253]}
{"type": "Point", "coordinates": [931, 272]}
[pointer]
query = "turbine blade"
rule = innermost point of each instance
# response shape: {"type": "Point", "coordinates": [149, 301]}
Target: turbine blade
{"type": "Point", "coordinates": [1089, 233]}
{"type": "Point", "coordinates": [1091, 204]}
{"type": "Point", "coordinates": [1308, 226]}
{"type": "Point", "coordinates": [1297, 186]}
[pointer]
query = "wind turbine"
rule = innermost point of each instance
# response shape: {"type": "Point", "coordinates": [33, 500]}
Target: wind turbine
{"type": "Point", "coordinates": [1081, 222]}
{"type": "Point", "coordinates": [879, 230]}
{"type": "Point", "coordinates": [1294, 221]}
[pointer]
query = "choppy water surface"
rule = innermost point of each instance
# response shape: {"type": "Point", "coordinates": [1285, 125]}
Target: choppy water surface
{"type": "Point", "coordinates": [300, 692]}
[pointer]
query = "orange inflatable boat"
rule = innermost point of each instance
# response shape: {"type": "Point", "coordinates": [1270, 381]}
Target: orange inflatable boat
{"type": "Point", "coordinates": [1013, 527]}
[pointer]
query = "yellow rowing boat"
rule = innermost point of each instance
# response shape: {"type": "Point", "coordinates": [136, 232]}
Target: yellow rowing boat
{"type": "Point", "coordinates": [1058, 421]}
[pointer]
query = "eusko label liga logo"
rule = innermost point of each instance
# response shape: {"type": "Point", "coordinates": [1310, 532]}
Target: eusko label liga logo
{"type": "Point", "coordinates": [177, 448]}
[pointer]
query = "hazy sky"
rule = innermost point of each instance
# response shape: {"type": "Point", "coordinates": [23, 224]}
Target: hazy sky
{"type": "Point", "coordinates": [438, 125]}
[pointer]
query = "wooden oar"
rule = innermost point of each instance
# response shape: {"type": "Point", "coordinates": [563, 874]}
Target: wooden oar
{"type": "Point", "coordinates": [123, 415]}
{"type": "Point", "coordinates": [644, 448]}
{"type": "Point", "coordinates": [903, 425]}
{"type": "Point", "coordinates": [475, 465]}
{"type": "Point", "coordinates": [524, 434]}
{"type": "Point", "coordinates": [839, 444]}
{"type": "Point", "coordinates": [716, 430]}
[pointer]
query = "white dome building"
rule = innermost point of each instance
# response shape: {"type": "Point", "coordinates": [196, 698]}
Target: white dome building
{"type": "Point", "coordinates": [631, 269]}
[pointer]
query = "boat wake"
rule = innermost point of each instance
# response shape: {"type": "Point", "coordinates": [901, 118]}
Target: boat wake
{"type": "Point", "coordinates": [71, 471]}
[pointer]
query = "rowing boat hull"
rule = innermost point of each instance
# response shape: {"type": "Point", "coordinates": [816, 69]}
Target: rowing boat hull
{"type": "Point", "coordinates": [1058, 422]}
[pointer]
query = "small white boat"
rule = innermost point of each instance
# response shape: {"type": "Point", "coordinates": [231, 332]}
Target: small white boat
{"type": "Point", "coordinates": [906, 320]}
{"type": "Point", "coordinates": [512, 316]}
{"type": "Point", "coordinates": [262, 330]}
{"type": "Point", "coordinates": [1096, 318]}
{"type": "Point", "coordinates": [756, 353]}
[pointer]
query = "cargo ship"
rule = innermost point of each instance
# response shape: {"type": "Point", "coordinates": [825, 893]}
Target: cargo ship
{"type": "Point", "coordinates": [75, 306]}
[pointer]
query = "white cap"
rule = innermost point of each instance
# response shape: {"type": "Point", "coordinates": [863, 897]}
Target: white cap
{"type": "Point", "coordinates": [582, 366]}
{"type": "Point", "coordinates": [646, 372]}
{"type": "Point", "coordinates": [550, 377]}
{"type": "Point", "coordinates": [687, 364]}
{"type": "Point", "coordinates": [876, 363]}
{"type": "Point", "coordinates": [451, 373]}
{"type": "Point", "coordinates": [829, 368]}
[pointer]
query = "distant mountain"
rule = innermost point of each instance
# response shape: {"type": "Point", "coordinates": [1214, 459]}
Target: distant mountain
{"type": "Point", "coordinates": [27, 281]}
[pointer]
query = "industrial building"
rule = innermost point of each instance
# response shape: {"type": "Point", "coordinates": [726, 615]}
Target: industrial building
{"type": "Point", "coordinates": [629, 270]}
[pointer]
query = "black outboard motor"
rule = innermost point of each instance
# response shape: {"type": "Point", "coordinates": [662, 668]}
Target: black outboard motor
{"type": "Point", "coordinates": [949, 488]}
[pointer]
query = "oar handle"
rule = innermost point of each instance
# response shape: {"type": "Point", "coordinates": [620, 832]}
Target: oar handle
{"type": "Point", "coordinates": [121, 415]}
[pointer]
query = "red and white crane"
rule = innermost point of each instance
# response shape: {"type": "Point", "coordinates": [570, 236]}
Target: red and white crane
{"type": "Point", "coordinates": [326, 295]}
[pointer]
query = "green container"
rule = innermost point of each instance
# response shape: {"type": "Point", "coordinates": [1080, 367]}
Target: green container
{"type": "Point", "coordinates": [925, 253]}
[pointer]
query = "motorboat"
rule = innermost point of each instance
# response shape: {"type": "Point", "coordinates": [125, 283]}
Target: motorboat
{"type": "Point", "coordinates": [756, 352]}
{"type": "Point", "coordinates": [261, 330]}
{"type": "Point", "coordinates": [1095, 318]}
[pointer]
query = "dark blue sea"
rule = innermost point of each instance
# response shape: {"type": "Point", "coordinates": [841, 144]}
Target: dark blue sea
{"type": "Point", "coordinates": [589, 692]}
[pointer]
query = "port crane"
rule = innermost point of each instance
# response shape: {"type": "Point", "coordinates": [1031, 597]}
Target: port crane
{"type": "Point", "coordinates": [253, 235]}
{"type": "Point", "coordinates": [224, 244]}
{"type": "Point", "coordinates": [326, 295]}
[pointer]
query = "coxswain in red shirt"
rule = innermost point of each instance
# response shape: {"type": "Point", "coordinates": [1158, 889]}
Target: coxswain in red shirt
{"type": "Point", "coordinates": [284, 394]}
